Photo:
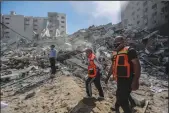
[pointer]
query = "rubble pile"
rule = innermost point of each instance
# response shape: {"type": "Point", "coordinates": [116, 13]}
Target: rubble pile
{"type": "Point", "coordinates": [152, 48]}
{"type": "Point", "coordinates": [25, 71]}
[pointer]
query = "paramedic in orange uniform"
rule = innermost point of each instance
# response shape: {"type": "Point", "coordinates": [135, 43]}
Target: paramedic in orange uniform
{"type": "Point", "coordinates": [94, 74]}
{"type": "Point", "coordinates": [126, 71]}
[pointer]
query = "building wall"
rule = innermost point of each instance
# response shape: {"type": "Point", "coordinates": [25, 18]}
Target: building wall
{"type": "Point", "coordinates": [62, 20]}
{"type": "Point", "coordinates": [144, 14]}
{"type": "Point", "coordinates": [13, 22]}
{"type": "Point", "coordinates": [16, 26]}
{"type": "Point", "coordinates": [26, 26]}
{"type": "Point", "coordinates": [1, 30]}
{"type": "Point", "coordinates": [38, 24]}
{"type": "Point", "coordinates": [57, 21]}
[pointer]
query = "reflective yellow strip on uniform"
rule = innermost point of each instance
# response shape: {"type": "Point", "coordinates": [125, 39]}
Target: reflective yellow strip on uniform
{"type": "Point", "coordinates": [120, 52]}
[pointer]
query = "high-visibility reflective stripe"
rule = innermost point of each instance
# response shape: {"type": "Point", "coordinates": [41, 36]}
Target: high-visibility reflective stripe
{"type": "Point", "coordinates": [122, 52]}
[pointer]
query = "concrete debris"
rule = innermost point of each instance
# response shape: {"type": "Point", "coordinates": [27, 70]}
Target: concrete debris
{"type": "Point", "coordinates": [138, 100]}
{"type": "Point", "coordinates": [24, 68]}
{"type": "Point", "coordinates": [158, 89]}
{"type": "Point", "coordinates": [29, 95]}
{"type": "Point", "coordinates": [3, 105]}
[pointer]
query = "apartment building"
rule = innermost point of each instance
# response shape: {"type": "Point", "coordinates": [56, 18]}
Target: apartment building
{"type": "Point", "coordinates": [57, 22]}
{"type": "Point", "coordinates": [14, 22]}
{"type": "Point", "coordinates": [28, 26]}
{"type": "Point", "coordinates": [145, 14]}
{"type": "Point", "coordinates": [39, 24]}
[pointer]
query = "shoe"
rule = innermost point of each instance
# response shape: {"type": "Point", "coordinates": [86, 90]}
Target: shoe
{"type": "Point", "coordinates": [114, 109]}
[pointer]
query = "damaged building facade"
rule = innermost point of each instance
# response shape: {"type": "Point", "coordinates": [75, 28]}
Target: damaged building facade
{"type": "Point", "coordinates": [145, 14]}
{"type": "Point", "coordinates": [28, 26]}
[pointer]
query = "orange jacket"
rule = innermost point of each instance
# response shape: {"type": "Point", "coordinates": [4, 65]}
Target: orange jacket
{"type": "Point", "coordinates": [121, 66]}
{"type": "Point", "coordinates": [91, 67]}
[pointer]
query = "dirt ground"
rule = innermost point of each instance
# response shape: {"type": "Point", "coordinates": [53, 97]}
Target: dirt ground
{"type": "Point", "coordinates": [64, 94]}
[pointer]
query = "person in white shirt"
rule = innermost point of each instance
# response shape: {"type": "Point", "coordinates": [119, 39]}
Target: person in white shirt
{"type": "Point", "coordinates": [52, 59]}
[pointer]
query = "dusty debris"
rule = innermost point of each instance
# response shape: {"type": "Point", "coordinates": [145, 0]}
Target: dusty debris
{"type": "Point", "coordinates": [29, 95]}
{"type": "Point", "coordinates": [27, 68]}
{"type": "Point", "coordinates": [138, 100]}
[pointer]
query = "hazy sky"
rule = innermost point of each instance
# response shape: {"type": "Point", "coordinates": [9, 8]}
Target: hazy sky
{"type": "Point", "coordinates": [80, 14]}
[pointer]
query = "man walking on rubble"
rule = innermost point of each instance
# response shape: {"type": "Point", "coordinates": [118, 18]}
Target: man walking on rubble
{"type": "Point", "coordinates": [126, 71]}
{"type": "Point", "coordinates": [52, 59]}
{"type": "Point", "coordinates": [93, 75]}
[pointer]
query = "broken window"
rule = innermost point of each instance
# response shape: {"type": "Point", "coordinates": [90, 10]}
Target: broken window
{"type": "Point", "coordinates": [154, 6]}
{"type": "Point", "coordinates": [154, 14]}
{"type": "Point", "coordinates": [163, 10]}
{"type": "Point", "coordinates": [62, 26]}
{"type": "Point", "coordinates": [146, 9]}
{"type": "Point", "coordinates": [62, 17]}
{"type": "Point", "coordinates": [138, 9]}
{"type": "Point", "coordinates": [35, 20]}
{"type": "Point", "coordinates": [166, 16]}
{"type": "Point", "coordinates": [26, 19]}
{"type": "Point", "coordinates": [138, 22]}
{"type": "Point", "coordinates": [154, 22]}
{"type": "Point", "coordinates": [166, 8]}
{"type": "Point", "coordinates": [7, 18]}
{"type": "Point", "coordinates": [62, 21]}
{"type": "Point", "coordinates": [145, 3]}
{"type": "Point", "coordinates": [51, 31]}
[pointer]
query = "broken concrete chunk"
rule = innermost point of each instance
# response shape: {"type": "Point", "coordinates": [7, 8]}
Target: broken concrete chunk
{"type": "Point", "coordinates": [29, 95]}
{"type": "Point", "coordinates": [138, 100]}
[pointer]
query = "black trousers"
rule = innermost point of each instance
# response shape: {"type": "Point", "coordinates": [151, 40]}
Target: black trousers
{"type": "Point", "coordinates": [97, 83]}
{"type": "Point", "coordinates": [123, 98]}
{"type": "Point", "coordinates": [52, 65]}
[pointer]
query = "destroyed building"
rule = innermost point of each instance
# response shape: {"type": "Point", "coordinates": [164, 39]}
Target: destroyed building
{"type": "Point", "coordinates": [25, 70]}
{"type": "Point", "coordinates": [28, 26]}
{"type": "Point", "coordinates": [152, 15]}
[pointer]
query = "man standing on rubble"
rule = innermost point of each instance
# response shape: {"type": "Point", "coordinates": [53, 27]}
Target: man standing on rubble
{"type": "Point", "coordinates": [126, 71]}
{"type": "Point", "coordinates": [52, 58]}
{"type": "Point", "coordinates": [94, 74]}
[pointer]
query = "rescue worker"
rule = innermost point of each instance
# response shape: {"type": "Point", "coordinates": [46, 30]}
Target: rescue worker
{"type": "Point", "coordinates": [126, 71]}
{"type": "Point", "coordinates": [52, 59]}
{"type": "Point", "coordinates": [93, 75]}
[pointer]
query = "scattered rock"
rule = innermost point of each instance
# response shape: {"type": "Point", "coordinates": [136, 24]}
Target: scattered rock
{"type": "Point", "coordinates": [140, 101]}
{"type": "Point", "coordinates": [29, 95]}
